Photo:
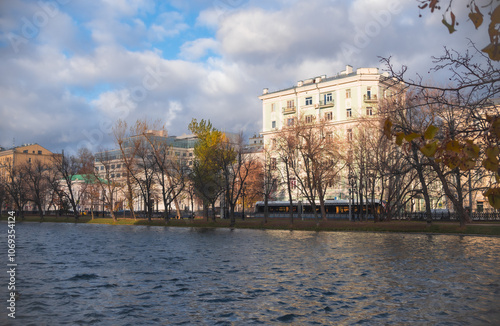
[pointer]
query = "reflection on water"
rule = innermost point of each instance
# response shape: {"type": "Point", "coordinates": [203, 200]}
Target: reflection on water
{"type": "Point", "coordinates": [120, 275]}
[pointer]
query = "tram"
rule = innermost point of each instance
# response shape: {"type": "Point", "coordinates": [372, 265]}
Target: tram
{"type": "Point", "coordinates": [334, 208]}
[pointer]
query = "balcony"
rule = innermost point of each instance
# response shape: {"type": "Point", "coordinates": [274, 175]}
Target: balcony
{"type": "Point", "coordinates": [324, 104]}
{"type": "Point", "coordinates": [289, 110]}
{"type": "Point", "coordinates": [370, 98]}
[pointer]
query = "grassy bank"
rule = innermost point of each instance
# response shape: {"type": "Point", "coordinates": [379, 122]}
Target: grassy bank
{"type": "Point", "coordinates": [482, 228]}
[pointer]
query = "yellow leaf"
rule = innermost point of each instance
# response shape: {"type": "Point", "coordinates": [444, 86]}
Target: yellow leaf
{"type": "Point", "coordinates": [411, 136]}
{"type": "Point", "coordinates": [476, 18]}
{"type": "Point", "coordinates": [387, 128]}
{"type": "Point", "coordinates": [471, 149]}
{"type": "Point", "coordinates": [492, 153]}
{"type": "Point", "coordinates": [451, 27]}
{"type": "Point", "coordinates": [491, 164]}
{"type": "Point", "coordinates": [453, 146]}
{"type": "Point", "coordinates": [467, 165]}
{"type": "Point", "coordinates": [430, 132]}
{"type": "Point", "coordinates": [493, 49]}
{"type": "Point", "coordinates": [493, 195]}
{"type": "Point", "coordinates": [429, 149]}
{"type": "Point", "coordinates": [399, 138]}
{"type": "Point", "coordinates": [495, 127]}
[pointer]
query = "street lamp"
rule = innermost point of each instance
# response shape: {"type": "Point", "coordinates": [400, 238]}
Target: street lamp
{"type": "Point", "coordinates": [352, 185]}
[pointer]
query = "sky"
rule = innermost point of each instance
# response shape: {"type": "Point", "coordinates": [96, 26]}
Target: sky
{"type": "Point", "coordinates": [69, 69]}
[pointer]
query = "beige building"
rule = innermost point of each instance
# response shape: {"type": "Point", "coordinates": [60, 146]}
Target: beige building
{"type": "Point", "coordinates": [24, 154]}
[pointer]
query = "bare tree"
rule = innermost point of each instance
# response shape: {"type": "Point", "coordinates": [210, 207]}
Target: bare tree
{"type": "Point", "coordinates": [17, 187]}
{"type": "Point", "coordinates": [37, 183]}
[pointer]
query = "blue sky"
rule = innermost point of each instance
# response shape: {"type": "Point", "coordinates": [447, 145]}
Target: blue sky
{"type": "Point", "coordinates": [71, 68]}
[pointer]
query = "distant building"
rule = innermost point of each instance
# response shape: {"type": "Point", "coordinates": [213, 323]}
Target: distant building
{"type": "Point", "coordinates": [26, 153]}
{"type": "Point", "coordinates": [179, 149]}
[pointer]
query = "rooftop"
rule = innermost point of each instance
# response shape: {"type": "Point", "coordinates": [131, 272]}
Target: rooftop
{"type": "Point", "coordinates": [348, 72]}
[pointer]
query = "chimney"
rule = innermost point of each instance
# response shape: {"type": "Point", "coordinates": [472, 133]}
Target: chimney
{"type": "Point", "coordinates": [348, 69]}
{"type": "Point", "coordinates": [265, 91]}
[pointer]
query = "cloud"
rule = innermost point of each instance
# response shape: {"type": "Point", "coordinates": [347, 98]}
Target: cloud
{"type": "Point", "coordinates": [199, 48]}
{"type": "Point", "coordinates": [95, 62]}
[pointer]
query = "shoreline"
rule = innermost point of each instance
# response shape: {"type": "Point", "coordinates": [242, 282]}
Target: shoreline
{"type": "Point", "coordinates": [487, 228]}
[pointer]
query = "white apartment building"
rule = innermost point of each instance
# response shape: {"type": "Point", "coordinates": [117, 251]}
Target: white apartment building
{"type": "Point", "coordinates": [341, 101]}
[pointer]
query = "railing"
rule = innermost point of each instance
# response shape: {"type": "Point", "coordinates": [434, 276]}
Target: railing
{"type": "Point", "coordinates": [451, 216]}
{"type": "Point", "coordinates": [326, 103]}
{"type": "Point", "coordinates": [288, 110]}
{"type": "Point", "coordinates": [370, 98]}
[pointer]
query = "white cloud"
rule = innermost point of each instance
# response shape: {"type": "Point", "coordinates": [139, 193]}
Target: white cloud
{"type": "Point", "coordinates": [94, 60]}
{"type": "Point", "coordinates": [194, 50]}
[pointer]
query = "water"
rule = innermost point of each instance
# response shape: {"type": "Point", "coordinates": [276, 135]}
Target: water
{"type": "Point", "coordinates": [74, 274]}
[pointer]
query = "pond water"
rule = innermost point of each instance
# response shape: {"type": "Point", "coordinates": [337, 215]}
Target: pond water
{"type": "Point", "coordinates": [76, 274]}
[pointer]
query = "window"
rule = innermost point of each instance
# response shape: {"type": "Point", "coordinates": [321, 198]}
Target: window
{"type": "Point", "coordinates": [273, 107]}
{"type": "Point", "coordinates": [293, 183]}
{"type": "Point", "coordinates": [348, 93]}
{"type": "Point", "coordinates": [29, 160]}
{"type": "Point", "coordinates": [309, 100]}
{"type": "Point", "coordinates": [309, 118]}
{"type": "Point", "coordinates": [290, 104]}
{"type": "Point", "coordinates": [102, 167]}
{"type": "Point", "coordinates": [329, 136]}
{"type": "Point", "coordinates": [112, 175]}
{"type": "Point", "coordinates": [349, 113]}
{"type": "Point", "coordinates": [190, 154]}
{"type": "Point", "coordinates": [118, 166]}
{"type": "Point", "coordinates": [368, 92]}
{"type": "Point", "coordinates": [328, 98]}
{"type": "Point", "coordinates": [25, 151]}
{"type": "Point", "coordinates": [118, 175]}
{"type": "Point", "coordinates": [39, 152]}
{"type": "Point", "coordinates": [369, 111]}
{"type": "Point", "coordinates": [329, 116]}
{"type": "Point", "coordinates": [273, 124]}
{"type": "Point", "coordinates": [349, 135]}
{"type": "Point", "coordinates": [290, 122]}
{"type": "Point", "coordinates": [273, 164]}
{"type": "Point", "coordinates": [112, 166]}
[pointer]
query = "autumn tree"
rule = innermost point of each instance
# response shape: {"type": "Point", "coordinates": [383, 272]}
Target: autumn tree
{"type": "Point", "coordinates": [206, 173]}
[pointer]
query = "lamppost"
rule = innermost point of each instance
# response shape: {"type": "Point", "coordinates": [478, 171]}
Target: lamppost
{"type": "Point", "coordinates": [352, 185]}
{"type": "Point", "coordinates": [243, 209]}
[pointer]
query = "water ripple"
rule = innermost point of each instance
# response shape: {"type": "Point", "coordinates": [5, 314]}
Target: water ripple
{"type": "Point", "coordinates": [71, 274]}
